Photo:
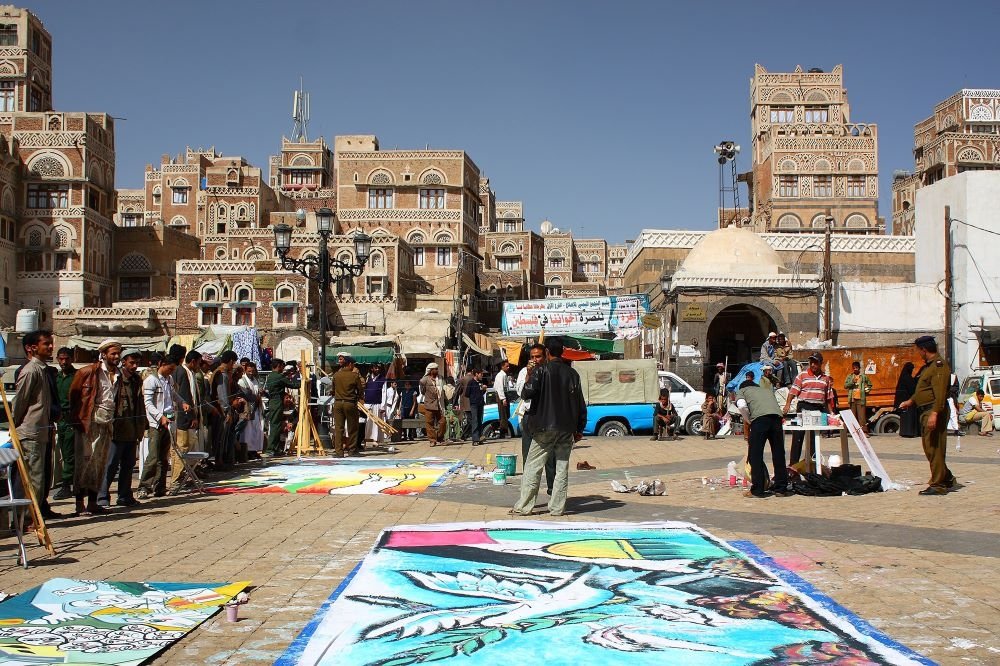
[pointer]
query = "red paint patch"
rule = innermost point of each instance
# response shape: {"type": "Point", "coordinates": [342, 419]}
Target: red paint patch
{"type": "Point", "coordinates": [796, 563]}
{"type": "Point", "coordinates": [455, 538]}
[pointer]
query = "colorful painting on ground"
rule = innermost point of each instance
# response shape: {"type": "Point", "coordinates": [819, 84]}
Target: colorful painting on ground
{"type": "Point", "coordinates": [522, 592]}
{"type": "Point", "coordinates": [68, 621]}
{"type": "Point", "coordinates": [329, 476]}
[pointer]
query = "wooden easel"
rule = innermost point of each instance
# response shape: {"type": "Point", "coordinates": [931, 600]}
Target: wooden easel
{"type": "Point", "coordinates": [306, 433]}
{"type": "Point", "coordinates": [36, 512]}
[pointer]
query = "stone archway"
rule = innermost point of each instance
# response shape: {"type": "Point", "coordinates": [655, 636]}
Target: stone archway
{"type": "Point", "coordinates": [737, 327]}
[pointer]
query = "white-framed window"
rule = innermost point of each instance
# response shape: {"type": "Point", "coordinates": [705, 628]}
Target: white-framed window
{"type": "Point", "coordinates": [782, 114]}
{"type": "Point", "coordinates": [285, 310]}
{"type": "Point", "coordinates": [301, 177]}
{"type": "Point", "coordinates": [557, 262]}
{"type": "Point", "coordinates": [553, 290]}
{"type": "Point", "coordinates": [8, 34]}
{"type": "Point", "coordinates": [377, 285]}
{"type": "Point", "coordinates": [510, 226]}
{"type": "Point", "coordinates": [444, 256]}
{"type": "Point", "coordinates": [243, 295]}
{"type": "Point", "coordinates": [209, 315]}
{"type": "Point", "coordinates": [243, 316]}
{"type": "Point", "coordinates": [131, 219]}
{"type": "Point", "coordinates": [817, 115]}
{"type": "Point", "coordinates": [432, 198]}
{"type": "Point", "coordinates": [509, 264]}
{"type": "Point", "coordinates": [418, 256]}
{"type": "Point", "coordinates": [48, 195]}
{"type": "Point", "coordinates": [822, 186]}
{"type": "Point", "coordinates": [8, 101]}
{"type": "Point", "coordinates": [156, 195]}
{"type": "Point", "coordinates": [133, 288]}
{"type": "Point", "coordinates": [380, 197]}
{"type": "Point", "coordinates": [180, 195]}
{"type": "Point", "coordinates": [788, 186]}
{"type": "Point", "coordinates": [855, 186]}
{"type": "Point", "coordinates": [284, 314]}
{"type": "Point", "coordinates": [976, 129]}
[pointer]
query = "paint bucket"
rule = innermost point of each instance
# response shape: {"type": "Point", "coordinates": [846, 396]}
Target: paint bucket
{"type": "Point", "coordinates": [824, 419]}
{"type": "Point", "coordinates": [499, 477]}
{"type": "Point", "coordinates": [507, 462]}
{"type": "Point", "coordinates": [232, 612]}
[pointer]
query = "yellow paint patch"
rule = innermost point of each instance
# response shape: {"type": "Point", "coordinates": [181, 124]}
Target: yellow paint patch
{"type": "Point", "coordinates": [612, 549]}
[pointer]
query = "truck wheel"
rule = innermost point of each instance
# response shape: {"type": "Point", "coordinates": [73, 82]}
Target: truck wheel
{"type": "Point", "coordinates": [887, 425]}
{"type": "Point", "coordinates": [613, 429]}
{"type": "Point", "coordinates": [692, 425]}
{"type": "Point", "coordinates": [492, 430]}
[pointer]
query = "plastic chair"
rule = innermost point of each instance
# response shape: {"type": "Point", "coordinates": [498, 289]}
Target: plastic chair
{"type": "Point", "coordinates": [8, 459]}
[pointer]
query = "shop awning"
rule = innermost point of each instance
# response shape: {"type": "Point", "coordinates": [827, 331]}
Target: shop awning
{"type": "Point", "coordinates": [598, 345]}
{"type": "Point", "coordinates": [362, 355]}
{"type": "Point", "coordinates": [146, 344]}
{"type": "Point", "coordinates": [471, 344]}
{"type": "Point", "coordinates": [577, 355]}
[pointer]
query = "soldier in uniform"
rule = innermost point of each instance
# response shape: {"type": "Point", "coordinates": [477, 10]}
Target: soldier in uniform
{"type": "Point", "coordinates": [275, 386]}
{"type": "Point", "coordinates": [931, 400]}
{"type": "Point", "coordinates": [348, 389]}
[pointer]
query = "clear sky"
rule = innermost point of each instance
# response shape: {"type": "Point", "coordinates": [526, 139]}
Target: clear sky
{"type": "Point", "coordinates": [600, 116]}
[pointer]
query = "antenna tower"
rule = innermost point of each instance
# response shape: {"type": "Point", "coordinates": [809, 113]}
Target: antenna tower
{"type": "Point", "coordinates": [300, 114]}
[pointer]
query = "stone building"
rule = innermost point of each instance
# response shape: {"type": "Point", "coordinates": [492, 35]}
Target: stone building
{"type": "Point", "coordinates": [56, 184]}
{"type": "Point", "coordinates": [513, 263]}
{"type": "Point", "coordinates": [616, 262]}
{"type": "Point", "coordinates": [144, 261]}
{"type": "Point", "coordinates": [574, 267]}
{"type": "Point", "coordinates": [808, 158]}
{"type": "Point", "coordinates": [963, 134]}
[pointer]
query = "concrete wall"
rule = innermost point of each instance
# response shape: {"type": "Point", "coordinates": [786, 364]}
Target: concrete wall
{"type": "Point", "coordinates": [862, 307]}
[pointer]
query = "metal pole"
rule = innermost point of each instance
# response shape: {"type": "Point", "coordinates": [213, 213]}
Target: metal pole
{"type": "Point", "coordinates": [827, 284]}
{"type": "Point", "coordinates": [323, 278]}
{"type": "Point", "coordinates": [461, 312]}
{"type": "Point", "coordinates": [949, 345]}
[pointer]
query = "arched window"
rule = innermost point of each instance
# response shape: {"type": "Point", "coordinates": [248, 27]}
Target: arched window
{"type": "Point", "coordinates": [210, 293]}
{"type": "Point", "coordinates": [819, 221]}
{"type": "Point", "coordinates": [443, 237]}
{"type": "Point", "coordinates": [285, 293]}
{"type": "Point", "coordinates": [789, 221]}
{"type": "Point", "coordinates": [156, 195]}
{"type": "Point", "coordinates": [244, 294]}
{"type": "Point", "coordinates": [856, 221]}
{"type": "Point", "coordinates": [255, 254]}
{"type": "Point", "coordinates": [222, 211]}
{"type": "Point", "coordinates": [415, 237]}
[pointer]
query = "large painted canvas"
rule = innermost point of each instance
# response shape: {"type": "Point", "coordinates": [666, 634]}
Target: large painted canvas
{"type": "Point", "coordinates": [342, 476]}
{"type": "Point", "coordinates": [523, 592]}
{"type": "Point", "coordinates": [68, 621]}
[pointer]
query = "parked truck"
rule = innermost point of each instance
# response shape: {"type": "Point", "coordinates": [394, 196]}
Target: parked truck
{"type": "Point", "coordinates": [620, 396]}
{"type": "Point", "coordinates": [987, 379]}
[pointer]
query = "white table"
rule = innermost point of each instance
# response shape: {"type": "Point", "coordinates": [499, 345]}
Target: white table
{"type": "Point", "coordinates": [812, 440]}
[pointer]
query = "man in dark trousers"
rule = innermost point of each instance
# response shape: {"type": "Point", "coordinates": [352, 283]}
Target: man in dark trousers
{"type": "Point", "coordinates": [558, 415]}
{"type": "Point", "coordinates": [762, 419]}
{"type": "Point", "coordinates": [931, 400]}
{"type": "Point", "coordinates": [65, 433]}
{"type": "Point", "coordinates": [223, 439]}
{"type": "Point", "coordinates": [348, 389]}
{"type": "Point", "coordinates": [189, 422]}
{"type": "Point", "coordinates": [126, 432]}
{"type": "Point", "coordinates": [275, 386]}
{"type": "Point", "coordinates": [476, 402]}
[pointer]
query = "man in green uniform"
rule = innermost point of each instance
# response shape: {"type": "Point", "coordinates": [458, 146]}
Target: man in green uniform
{"type": "Point", "coordinates": [275, 387]}
{"type": "Point", "coordinates": [348, 389]}
{"type": "Point", "coordinates": [931, 399]}
{"type": "Point", "coordinates": [64, 429]}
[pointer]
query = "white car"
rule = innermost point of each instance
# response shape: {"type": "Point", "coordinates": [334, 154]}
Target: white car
{"type": "Point", "coordinates": [686, 401]}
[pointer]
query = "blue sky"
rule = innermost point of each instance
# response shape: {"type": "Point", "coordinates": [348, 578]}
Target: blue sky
{"type": "Point", "coordinates": [600, 116]}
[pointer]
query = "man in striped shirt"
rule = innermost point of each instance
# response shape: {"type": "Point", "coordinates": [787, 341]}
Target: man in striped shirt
{"type": "Point", "coordinates": [815, 393]}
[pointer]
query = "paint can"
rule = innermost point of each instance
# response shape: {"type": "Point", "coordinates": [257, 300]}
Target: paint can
{"type": "Point", "coordinates": [232, 612]}
{"type": "Point", "coordinates": [507, 462]}
{"type": "Point", "coordinates": [499, 477]}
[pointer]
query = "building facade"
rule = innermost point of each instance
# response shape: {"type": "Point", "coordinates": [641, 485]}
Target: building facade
{"type": "Point", "coordinates": [513, 263]}
{"type": "Point", "coordinates": [809, 160]}
{"type": "Point", "coordinates": [963, 134]}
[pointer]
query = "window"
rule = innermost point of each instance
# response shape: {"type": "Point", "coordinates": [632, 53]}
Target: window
{"type": "Point", "coordinates": [377, 284]}
{"type": "Point", "coordinates": [35, 103]}
{"type": "Point", "coordinates": [513, 264]}
{"type": "Point", "coordinates": [6, 295]}
{"type": "Point", "coordinates": [855, 186]}
{"type": "Point", "coordinates": [823, 186]}
{"type": "Point", "coordinates": [243, 316]}
{"type": "Point", "coordinates": [6, 95]}
{"type": "Point", "coordinates": [788, 186]}
{"type": "Point", "coordinates": [782, 114]}
{"type": "Point", "coordinates": [976, 129]}
{"type": "Point", "coordinates": [156, 195]}
{"type": "Point", "coordinates": [8, 35]}
{"type": "Point", "coordinates": [379, 198]}
{"type": "Point", "coordinates": [284, 314]}
{"type": "Point", "coordinates": [243, 295]}
{"type": "Point", "coordinates": [418, 256]}
{"type": "Point", "coordinates": [432, 198]}
{"type": "Point", "coordinates": [553, 290]}
{"type": "Point", "coordinates": [209, 315]}
{"type": "Point", "coordinates": [510, 226]}
{"type": "Point", "coordinates": [131, 219]}
{"type": "Point", "coordinates": [817, 115]}
{"type": "Point", "coordinates": [300, 177]}
{"type": "Point", "coordinates": [62, 261]}
{"type": "Point", "coordinates": [345, 286]}
{"type": "Point", "coordinates": [47, 195]}
{"type": "Point", "coordinates": [180, 195]}
{"type": "Point", "coordinates": [556, 262]}
{"type": "Point", "coordinates": [133, 288]}
{"type": "Point", "coordinates": [444, 256]}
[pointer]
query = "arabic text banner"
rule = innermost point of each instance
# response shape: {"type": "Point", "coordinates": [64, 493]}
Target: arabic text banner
{"type": "Point", "coordinates": [601, 314]}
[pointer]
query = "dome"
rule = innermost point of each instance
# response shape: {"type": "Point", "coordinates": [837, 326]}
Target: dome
{"type": "Point", "coordinates": [732, 251]}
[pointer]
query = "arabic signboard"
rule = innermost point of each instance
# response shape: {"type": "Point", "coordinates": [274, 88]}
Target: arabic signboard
{"type": "Point", "coordinates": [620, 315]}
{"type": "Point", "coordinates": [264, 282]}
{"type": "Point", "coordinates": [694, 312]}
{"type": "Point", "coordinates": [652, 321]}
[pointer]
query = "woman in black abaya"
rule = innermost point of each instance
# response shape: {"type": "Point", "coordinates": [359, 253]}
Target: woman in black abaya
{"type": "Point", "coordinates": [909, 419]}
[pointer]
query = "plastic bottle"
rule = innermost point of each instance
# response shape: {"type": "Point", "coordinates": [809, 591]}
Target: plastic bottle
{"type": "Point", "coordinates": [731, 472]}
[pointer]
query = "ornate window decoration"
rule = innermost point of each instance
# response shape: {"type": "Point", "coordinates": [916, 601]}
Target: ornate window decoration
{"type": "Point", "coordinates": [980, 112]}
{"type": "Point", "coordinates": [822, 165]}
{"type": "Point", "coordinates": [787, 165]}
{"type": "Point", "coordinates": [856, 164]}
{"type": "Point", "coordinates": [302, 160]}
{"type": "Point", "coordinates": [507, 248]}
{"type": "Point", "coordinates": [35, 238]}
{"type": "Point", "coordinates": [48, 167]}
{"type": "Point", "coordinates": [156, 195]}
{"type": "Point", "coordinates": [376, 262]}
{"type": "Point", "coordinates": [856, 221]}
{"type": "Point", "coordinates": [970, 154]}
{"type": "Point", "coordinates": [432, 177]}
{"type": "Point", "coordinates": [243, 294]}
{"type": "Point", "coordinates": [255, 254]}
{"type": "Point", "coordinates": [285, 293]}
{"type": "Point", "coordinates": [210, 293]}
{"type": "Point", "coordinates": [380, 232]}
{"type": "Point", "coordinates": [134, 262]}
{"type": "Point", "coordinates": [819, 221]}
{"type": "Point", "coordinates": [220, 253]}
{"type": "Point", "coordinates": [222, 211]}
{"type": "Point", "coordinates": [415, 238]}
{"type": "Point", "coordinates": [380, 177]}
{"type": "Point", "coordinates": [443, 237]}
{"type": "Point", "coordinates": [62, 238]}
{"type": "Point", "coordinates": [817, 96]}
{"type": "Point", "coordinates": [789, 221]}
{"type": "Point", "coordinates": [178, 221]}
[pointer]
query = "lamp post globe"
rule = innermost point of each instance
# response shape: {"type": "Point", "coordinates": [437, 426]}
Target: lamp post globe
{"type": "Point", "coordinates": [282, 238]}
{"type": "Point", "coordinates": [362, 246]}
{"type": "Point", "coordinates": [324, 220]}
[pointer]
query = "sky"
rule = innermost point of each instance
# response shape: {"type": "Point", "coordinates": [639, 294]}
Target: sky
{"type": "Point", "coordinates": [599, 116]}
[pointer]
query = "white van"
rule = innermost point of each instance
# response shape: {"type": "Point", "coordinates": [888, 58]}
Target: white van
{"type": "Point", "coordinates": [686, 401]}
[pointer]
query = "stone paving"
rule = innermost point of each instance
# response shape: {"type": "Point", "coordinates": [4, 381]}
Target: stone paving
{"type": "Point", "coordinates": [921, 569]}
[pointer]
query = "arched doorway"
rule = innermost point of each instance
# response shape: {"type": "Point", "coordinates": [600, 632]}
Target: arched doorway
{"type": "Point", "coordinates": [736, 333]}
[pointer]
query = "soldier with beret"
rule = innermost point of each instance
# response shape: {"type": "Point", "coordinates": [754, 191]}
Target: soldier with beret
{"type": "Point", "coordinates": [931, 400]}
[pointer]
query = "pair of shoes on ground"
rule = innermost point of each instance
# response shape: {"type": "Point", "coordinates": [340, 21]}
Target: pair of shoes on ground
{"type": "Point", "coordinates": [933, 490]}
{"type": "Point", "coordinates": [584, 465]}
{"type": "Point", "coordinates": [127, 501]}
{"type": "Point", "coordinates": [63, 493]}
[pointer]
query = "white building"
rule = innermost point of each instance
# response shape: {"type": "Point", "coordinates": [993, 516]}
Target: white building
{"type": "Point", "coordinates": [974, 198]}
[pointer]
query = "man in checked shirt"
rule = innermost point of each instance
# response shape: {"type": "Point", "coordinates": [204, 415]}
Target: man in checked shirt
{"type": "Point", "coordinates": [815, 393]}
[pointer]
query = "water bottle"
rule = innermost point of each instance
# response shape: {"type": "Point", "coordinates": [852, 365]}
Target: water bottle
{"type": "Point", "coordinates": [731, 472]}
{"type": "Point", "coordinates": [169, 413]}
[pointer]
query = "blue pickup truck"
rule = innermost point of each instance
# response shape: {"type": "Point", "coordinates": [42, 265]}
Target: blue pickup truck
{"type": "Point", "coordinates": [620, 396]}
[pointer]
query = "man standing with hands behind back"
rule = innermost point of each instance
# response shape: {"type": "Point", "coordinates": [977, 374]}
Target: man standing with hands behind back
{"type": "Point", "coordinates": [558, 415]}
{"type": "Point", "coordinates": [931, 399]}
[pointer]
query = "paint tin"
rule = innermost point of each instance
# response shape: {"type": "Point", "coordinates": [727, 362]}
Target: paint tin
{"type": "Point", "coordinates": [507, 462]}
{"type": "Point", "coordinates": [232, 612]}
{"type": "Point", "coordinates": [499, 477]}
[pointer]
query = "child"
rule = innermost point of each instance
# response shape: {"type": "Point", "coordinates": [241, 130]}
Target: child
{"type": "Point", "coordinates": [664, 418]}
{"type": "Point", "coordinates": [710, 416]}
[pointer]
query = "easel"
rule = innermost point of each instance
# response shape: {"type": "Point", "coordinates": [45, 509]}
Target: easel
{"type": "Point", "coordinates": [305, 432]}
{"type": "Point", "coordinates": [36, 513]}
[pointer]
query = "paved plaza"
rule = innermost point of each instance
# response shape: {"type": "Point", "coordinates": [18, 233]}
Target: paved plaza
{"type": "Point", "coordinates": [920, 569]}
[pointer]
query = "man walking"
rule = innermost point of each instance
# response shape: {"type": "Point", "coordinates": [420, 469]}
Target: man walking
{"type": "Point", "coordinates": [65, 433]}
{"type": "Point", "coordinates": [223, 443]}
{"type": "Point", "coordinates": [503, 386]}
{"type": "Point", "coordinates": [159, 397]}
{"type": "Point", "coordinates": [127, 430]}
{"type": "Point", "coordinates": [536, 357]}
{"type": "Point", "coordinates": [348, 389]}
{"type": "Point", "coordinates": [276, 386]}
{"type": "Point", "coordinates": [762, 421]}
{"type": "Point", "coordinates": [461, 404]}
{"type": "Point", "coordinates": [558, 415]}
{"type": "Point", "coordinates": [33, 414]}
{"type": "Point", "coordinates": [931, 399]}
{"type": "Point", "coordinates": [189, 422]}
{"type": "Point", "coordinates": [815, 393]}
{"type": "Point", "coordinates": [433, 404]}
{"type": "Point", "coordinates": [92, 403]}
{"type": "Point", "coordinates": [858, 386]}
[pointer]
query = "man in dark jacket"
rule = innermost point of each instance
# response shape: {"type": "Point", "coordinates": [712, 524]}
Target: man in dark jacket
{"type": "Point", "coordinates": [189, 422]}
{"type": "Point", "coordinates": [276, 386]}
{"type": "Point", "coordinates": [127, 430]}
{"type": "Point", "coordinates": [476, 403]}
{"type": "Point", "coordinates": [558, 415]}
{"type": "Point", "coordinates": [65, 433]}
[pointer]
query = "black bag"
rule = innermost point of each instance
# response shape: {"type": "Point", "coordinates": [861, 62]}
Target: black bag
{"type": "Point", "coordinates": [817, 485]}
